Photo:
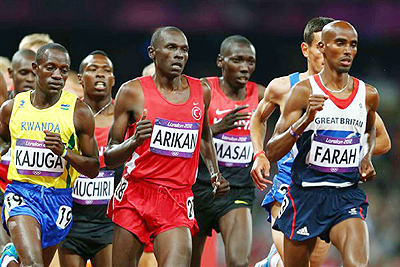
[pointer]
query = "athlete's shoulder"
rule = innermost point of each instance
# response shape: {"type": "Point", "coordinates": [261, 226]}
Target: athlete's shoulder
{"type": "Point", "coordinates": [260, 90]}
{"type": "Point", "coordinates": [130, 89]}
{"type": "Point", "coordinates": [372, 96]}
{"type": "Point", "coordinates": [279, 86]}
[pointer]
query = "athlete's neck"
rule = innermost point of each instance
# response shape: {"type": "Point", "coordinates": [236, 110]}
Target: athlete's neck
{"type": "Point", "coordinates": [335, 80]}
{"type": "Point", "coordinates": [237, 93]}
{"type": "Point", "coordinates": [41, 100]}
{"type": "Point", "coordinates": [97, 104]}
{"type": "Point", "coordinates": [169, 84]}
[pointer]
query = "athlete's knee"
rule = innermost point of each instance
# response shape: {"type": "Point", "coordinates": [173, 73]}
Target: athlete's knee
{"type": "Point", "coordinates": [237, 260]}
{"type": "Point", "coordinates": [352, 261]}
{"type": "Point", "coordinates": [33, 263]}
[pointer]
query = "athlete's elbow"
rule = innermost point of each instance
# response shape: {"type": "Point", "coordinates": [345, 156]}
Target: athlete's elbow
{"type": "Point", "coordinates": [271, 153]}
{"type": "Point", "coordinates": [94, 169]}
{"type": "Point", "coordinates": [383, 148]}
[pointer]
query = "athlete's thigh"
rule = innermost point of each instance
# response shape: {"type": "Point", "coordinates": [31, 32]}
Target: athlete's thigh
{"type": "Point", "coordinates": [297, 254]}
{"type": "Point", "coordinates": [103, 257]}
{"type": "Point", "coordinates": [319, 253]}
{"type": "Point", "coordinates": [350, 237]}
{"type": "Point", "coordinates": [236, 230]}
{"type": "Point", "coordinates": [26, 236]}
{"type": "Point", "coordinates": [48, 254]}
{"type": "Point", "coordinates": [173, 247]}
{"type": "Point", "coordinates": [277, 236]}
{"type": "Point", "coordinates": [126, 249]}
{"type": "Point", "coordinates": [69, 258]}
{"type": "Point", "coordinates": [197, 250]}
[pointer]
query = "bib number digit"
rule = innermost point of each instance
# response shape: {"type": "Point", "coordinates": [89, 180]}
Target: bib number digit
{"type": "Point", "coordinates": [190, 208]}
{"type": "Point", "coordinates": [119, 192]}
{"type": "Point", "coordinates": [12, 200]}
{"type": "Point", "coordinates": [64, 217]}
{"type": "Point", "coordinates": [285, 204]}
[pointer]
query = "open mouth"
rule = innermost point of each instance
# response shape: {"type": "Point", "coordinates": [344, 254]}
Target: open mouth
{"type": "Point", "coordinates": [100, 85]}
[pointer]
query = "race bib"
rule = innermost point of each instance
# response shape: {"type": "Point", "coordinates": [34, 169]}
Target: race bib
{"type": "Point", "coordinates": [233, 151]}
{"type": "Point", "coordinates": [119, 192]}
{"type": "Point", "coordinates": [190, 208]}
{"type": "Point", "coordinates": [64, 217]}
{"type": "Point", "coordinates": [174, 138]}
{"type": "Point", "coordinates": [97, 191]}
{"type": "Point", "coordinates": [31, 157]}
{"type": "Point", "coordinates": [12, 200]}
{"type": "Point", "coordinates": [334, 154]}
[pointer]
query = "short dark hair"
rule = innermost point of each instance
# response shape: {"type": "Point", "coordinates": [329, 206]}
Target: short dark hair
{"type": "Point", "coordinates": [95, 52]}
{"type": "Point", "coordinates": [233, 39]}
{"type": "Point", "coordinates": [157, 34]}
{"type": "Point", "coordinates": [50, 46]}
{"type": "Point", "coordinates": [315, 25]}
{"type": "Point", "coordinates": [22, 53]}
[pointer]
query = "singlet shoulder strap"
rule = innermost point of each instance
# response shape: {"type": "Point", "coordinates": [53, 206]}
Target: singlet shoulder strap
{"type": "Point", "coordinates": [294, 78]}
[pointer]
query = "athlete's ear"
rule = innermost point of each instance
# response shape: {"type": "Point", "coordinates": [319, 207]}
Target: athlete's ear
{"type": "Point", "coordinates": [80, 79]}
{"type": "Point", "coordinates": [151, 51]}
{"type": "Point", "coordinates": [10, 72]}
{"type": "Point", "coordinates": [321, 47]}
{"type": "Point", "coordinates": [35, 67]}
{"type": "Point", "coordinates": [304, 49]}
{"type": "Point", "coordinates": [219, 60]}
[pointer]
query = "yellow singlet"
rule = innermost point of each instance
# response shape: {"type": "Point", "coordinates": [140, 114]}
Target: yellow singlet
{"type": "Point", "coordinates": [30, 161]}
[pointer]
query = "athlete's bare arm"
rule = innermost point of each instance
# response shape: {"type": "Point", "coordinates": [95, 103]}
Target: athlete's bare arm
{"type": "Point", "coordinates": [3, 90]}
{"type": "Point", "coordinates": [367, 171]}
{"type": "Point", "coordinates": [300, 99]}
{"type": "Point", "coordinates": [88, 162]}
{"type": "Point", "coordinates": [273, 97]}
{"type": "Point", "coordinates": [207, 149]}
{"type": "Point", "coordinates": [5, 115]}
{"type": "Point", "coordinates": [382, 141]}
{"type": "Point", "coordinates": [129, 107]}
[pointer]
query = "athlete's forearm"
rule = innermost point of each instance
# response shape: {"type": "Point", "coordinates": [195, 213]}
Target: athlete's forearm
{"type": "Point", "coordinates": [88, 166]}
{"type": "Point", "coordinates": [117, 154]}
{"type": "Point", "coordinates": [207, 152]}
{"type": "Point", "coordinates": [280, 144]}
{"type": "Point", "coordinates": [257, 133]}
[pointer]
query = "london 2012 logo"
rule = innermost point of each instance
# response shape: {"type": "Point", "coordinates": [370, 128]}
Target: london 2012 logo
{"type": "Point", "coordinates": [196, 113]}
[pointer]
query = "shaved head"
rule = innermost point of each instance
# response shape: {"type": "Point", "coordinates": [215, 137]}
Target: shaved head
{"type": "Point", "coordinates": [158, 34]}
{"type": "Point", "coordinates": [22, 54]}
{"type": "Point", "coordinates": [332, 29]}
{"type": "Point", "coordinates": [231, 40]}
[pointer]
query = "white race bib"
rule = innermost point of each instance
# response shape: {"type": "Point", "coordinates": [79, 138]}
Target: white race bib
{"type": "Point", "coordinates": [31, 157]}
{"type": "Point", "coordinates": [173, 138]}
{"type": "Point", "coordinates": [97, 191]}
{"type": "Point", "coordinates": [233, 151]}
{"type": "Point", "coordinates": [334, 154]}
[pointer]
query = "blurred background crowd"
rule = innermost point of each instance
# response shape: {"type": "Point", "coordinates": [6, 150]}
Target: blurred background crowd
{"type": "Point", "coordinates": [123, 30]}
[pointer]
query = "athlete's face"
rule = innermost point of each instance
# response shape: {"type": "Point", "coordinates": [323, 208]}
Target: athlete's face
{"type": "Point", "coordinates": [339, 45]}
{"type": "Point", "coordinates": [97, 77]}
{"type": "Point", "coordinates": [171, 53]}
{"type": "Point", "coordinates": [315, 59]}
{"type": "Point", "coordinates": [22, 74]}
{"type": "Point", "coordinates": [238, 63]}
{"type": "Point", "coordinates": [52, 71]}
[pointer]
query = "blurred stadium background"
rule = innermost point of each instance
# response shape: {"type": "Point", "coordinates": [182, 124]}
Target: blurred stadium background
{"type": "Point", "coordinates": [123, 30]}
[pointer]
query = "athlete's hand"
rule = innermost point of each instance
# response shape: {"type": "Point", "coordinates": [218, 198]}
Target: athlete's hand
{"type": "Point", "coordinates": [228, 122]}
{"type": "Point", "coordinates": [143, 129]}
{"type": "Point", "coordinates": [53, 142]}
{"type": "Point", "coordinates": [315, 104]}
{"type": "Point", "coordinates": [220, 185]}
{"type": "Point", "coordinates": [367, 171]}
{"type": "Point", "coordinates": [260, 171]}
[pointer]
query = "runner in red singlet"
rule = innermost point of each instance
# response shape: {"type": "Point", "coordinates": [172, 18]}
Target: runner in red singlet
{"type": "Point", "coordinates": [154, 200]}
{"type": "Point", "coordinates": [233, 99]}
